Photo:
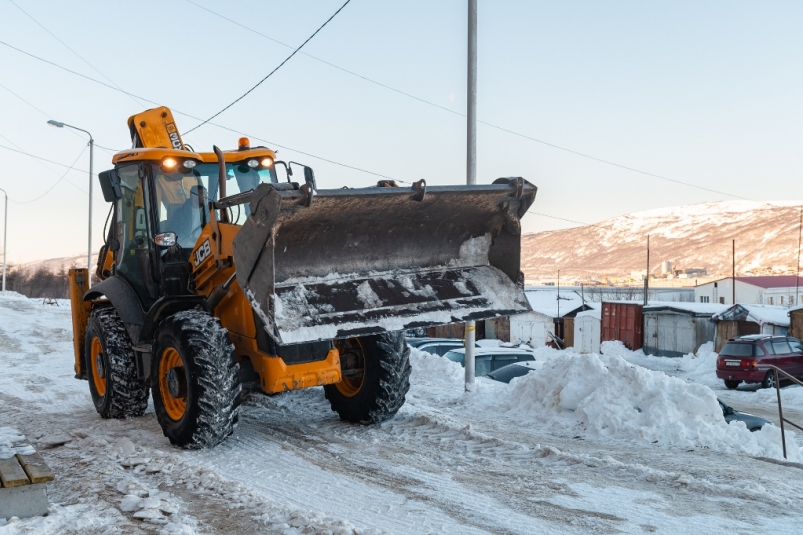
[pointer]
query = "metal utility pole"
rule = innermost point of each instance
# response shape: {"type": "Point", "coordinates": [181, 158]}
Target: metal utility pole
{"type": "Point", "coordinates": [471, 158]}
{"type": "Point", "coordinates": [5, 234]}
{"type": "Point", "coordinates": [647, 276]}
{"type": "Point", "coordinates": [59, 124]}
{"type": "Point", "coordinates": [558, 293]}
{"type": "Point", "coordinates": [733, 271]}
{"type": "Point", "coordinates": [797, 278]}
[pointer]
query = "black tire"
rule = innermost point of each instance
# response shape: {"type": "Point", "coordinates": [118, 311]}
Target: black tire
{"type": "Point", "coordinates": [384, 382]}
{"type": "Point", "coordinates": [730, 385]}
{"type": "Point", "coordinates": [769, 380]}
{"type": "Point", "coordinates": [208, 381]}
{"type": "Point", "coordinates": [114, 369]}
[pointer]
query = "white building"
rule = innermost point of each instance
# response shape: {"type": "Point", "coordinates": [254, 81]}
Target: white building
{"type": "Point", "coordinates": [587, 327]}
{"type": "Point", "coordinates": [777, 290]}
{"type": "Point", "coordinates": [544, 323]}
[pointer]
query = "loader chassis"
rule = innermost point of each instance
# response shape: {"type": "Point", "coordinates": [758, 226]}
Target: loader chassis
{"type": "Point", "coordinates": [215, 275]}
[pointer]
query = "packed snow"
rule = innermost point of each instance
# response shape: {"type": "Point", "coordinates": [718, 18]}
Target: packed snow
{"type": "Point", "coordinates": [299, 312]}
{"type": "Point", "coordinates": [587, 443]}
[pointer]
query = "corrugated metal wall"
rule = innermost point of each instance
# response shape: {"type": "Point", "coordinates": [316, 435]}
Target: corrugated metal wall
{"type": "Point", "coordinates": [624, 322]}
{"type": "Point", "coordinates": [672, 334]}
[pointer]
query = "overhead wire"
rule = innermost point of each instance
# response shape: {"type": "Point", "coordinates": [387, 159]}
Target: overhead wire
{"type": "Point", "coordinates": [79, 56]}
{"type": "Point", "coordinates": [55, 183]}
{"type": "Point", "coordinates": [512, 132]}
{"type": "Point", "coordinates": [28, 103]}
{"type": "Point", "coordinates": [39, 161]}
{"type": "Point", "coordinates": [40, 157]}
{"type": "Point", "coordinates": [238, 99]}
{"type": "Point", "coordinates": [486, 123]}
{"type": "Point", "coordinates": [95, 80]}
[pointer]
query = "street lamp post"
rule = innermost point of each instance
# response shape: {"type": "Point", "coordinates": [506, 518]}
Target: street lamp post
{"type": "Point", "coordinates": [5, 234]}
{"type": "Point", "coordinates": [59, 124]}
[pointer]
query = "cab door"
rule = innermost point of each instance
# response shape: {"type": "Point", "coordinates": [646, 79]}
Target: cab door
{"type": "Point", "coordinates": [133, 232]}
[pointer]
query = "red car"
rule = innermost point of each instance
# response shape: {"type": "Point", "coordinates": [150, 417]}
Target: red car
{"type": "Point", "coordinates": [739, 357]}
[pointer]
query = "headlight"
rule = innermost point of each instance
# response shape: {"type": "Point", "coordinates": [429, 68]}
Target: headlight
{"type": "Point", "coordinates": [189, 164]}
{"type": "Point", "coordinates": [169, 163]}
{"type": "Point", "coordinates": [253, 164]}
{"type": "Point", "coordinates": [267, 162]}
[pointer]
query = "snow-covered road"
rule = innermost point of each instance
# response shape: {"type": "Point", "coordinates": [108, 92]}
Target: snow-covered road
{"type": "Point", "coordinates": [448, 463]}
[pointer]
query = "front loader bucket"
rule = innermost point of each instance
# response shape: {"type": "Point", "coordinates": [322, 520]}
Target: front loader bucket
{"type": "Point", "coordinates": [351, 262]}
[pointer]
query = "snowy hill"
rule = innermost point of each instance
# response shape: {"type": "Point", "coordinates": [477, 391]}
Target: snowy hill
{"type": "Point", "coordinates": [697, 235]}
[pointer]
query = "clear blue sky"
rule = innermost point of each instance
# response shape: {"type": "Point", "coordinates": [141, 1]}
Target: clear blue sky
{"type": "Point", "coordinates": [699, 91]}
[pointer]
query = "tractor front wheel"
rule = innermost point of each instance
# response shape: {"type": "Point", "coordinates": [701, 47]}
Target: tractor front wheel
{"type": "Point", "coordinates": [116, 390]}
{"type": "Point", "coordinates": [375, 378]}
{"type": "Point", "coordinates": [195, 380]}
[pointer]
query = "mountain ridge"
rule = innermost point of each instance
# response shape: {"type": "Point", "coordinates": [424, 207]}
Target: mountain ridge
{"type": "Point", "coordinates": [690, 236]}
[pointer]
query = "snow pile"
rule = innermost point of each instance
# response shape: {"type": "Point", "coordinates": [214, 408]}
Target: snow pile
{"type": "Point", "coordinates": [608, 397]}
{"type": "Point", "coordinates": [617, 348]}
{"type": "Point", "coordinates": [429, 368]}
{"type": "Point", "coordinates": [12, 442]}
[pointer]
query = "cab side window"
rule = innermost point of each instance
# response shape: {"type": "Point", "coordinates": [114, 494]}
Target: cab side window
{"type": "Point", "coordinates": [133, 233]}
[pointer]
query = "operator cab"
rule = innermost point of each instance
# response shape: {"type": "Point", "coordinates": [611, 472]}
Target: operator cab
{"type": "Point", "coordinates": [161, 192]}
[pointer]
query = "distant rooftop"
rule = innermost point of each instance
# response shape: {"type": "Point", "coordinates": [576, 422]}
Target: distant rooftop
{"type": "Point", "coordinates": [770, 281]}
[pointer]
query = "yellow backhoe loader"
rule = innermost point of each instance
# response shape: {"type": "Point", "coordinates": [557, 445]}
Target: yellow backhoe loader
{"type": "Point", "coordinates": [215, 276]}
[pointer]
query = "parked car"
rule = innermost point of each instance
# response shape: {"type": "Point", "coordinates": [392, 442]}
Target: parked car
{"type": "Point", "coordinates": [753, 422]}
{"type": "Point", "coordinates": [436, 346]}
{"type": "Point", "coordinates": [488, 359]}
{"type": "Point", "coordinates": [739, 357]}
{"type": "Point", "coordinates": [505, 374]}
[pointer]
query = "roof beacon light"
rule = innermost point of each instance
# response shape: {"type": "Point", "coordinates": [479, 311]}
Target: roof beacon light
{"type": "Point", "coordinates": [253, 164]}
{"type": "Point", "coordinates": [169, 163]}
{"type": "Point", "coordinates": [267, 162]}
{"type": "Point", "coordinates": [243, 143]}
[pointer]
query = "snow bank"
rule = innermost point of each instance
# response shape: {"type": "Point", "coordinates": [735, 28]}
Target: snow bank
{"type": "Point", "coordinates": [616, 347]}
{"type": "Point", "coordinates": [429, 368]}
{"type": "Point", "coordinates": [608, 397]}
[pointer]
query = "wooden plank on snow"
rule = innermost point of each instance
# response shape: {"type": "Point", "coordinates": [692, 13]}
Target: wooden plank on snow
{"type": "Point", "coordinates": [12, 474]}
{"type": "Point", "coordinates": [38, 471]}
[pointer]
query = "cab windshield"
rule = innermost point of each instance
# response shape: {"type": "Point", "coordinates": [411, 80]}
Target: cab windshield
{"type": "Point", "coordinates": [182, 196]}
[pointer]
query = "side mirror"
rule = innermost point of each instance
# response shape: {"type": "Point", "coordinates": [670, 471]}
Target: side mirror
{"type": "Point", "coordinates": [309, 177]}
{"type": "Point", "coordinates": [110, 184]}
{"type": "Point", "coordinates": [166, 239]}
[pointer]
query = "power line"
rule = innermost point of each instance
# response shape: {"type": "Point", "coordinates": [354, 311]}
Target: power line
{"type": "Point", "coordinates": [54, 36]}
{"type": "Point", "coordinates": [316, 58]}
{"type": "Point", "coordinates": [71, 167]}
{"type": "Point", "coordinates": [238, 99]}
{"type": "Point", "coordinates": [371, 172]}
{"type": "Point", "coordinates": [71, 131]}
{"type": "Point", "coordinates": [95, 80]}
{"type": "Point", "coordinates": [39, 157]}
{"type": "Point", "coordinates": [512, 132]}
{"type": "Point", "coordinates": [38, 160]}
{"type": "Point", "coordinates": [486, 123]}
{"type": "Point", "coordinates": [559, 218]}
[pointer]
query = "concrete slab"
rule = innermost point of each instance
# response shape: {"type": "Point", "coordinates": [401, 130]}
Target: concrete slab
{"type": "Point", "coordinates": [24, 501]}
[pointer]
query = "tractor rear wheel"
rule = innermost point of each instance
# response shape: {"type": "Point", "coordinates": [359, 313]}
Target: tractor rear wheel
{"type": "Point", "coordinates": [116, 390]}
{"type": "Point", "coordinates": [195, 380]}
{"type": "Point", "coordinates": [376, 378]}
